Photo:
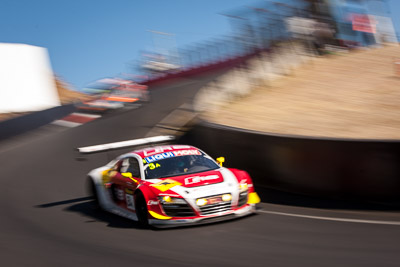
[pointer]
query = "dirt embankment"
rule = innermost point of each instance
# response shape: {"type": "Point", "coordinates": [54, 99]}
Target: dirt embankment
{"type": "Point", "coordinates": [66, 94]}
{"type": "Point", "coordinates": [354, 95]}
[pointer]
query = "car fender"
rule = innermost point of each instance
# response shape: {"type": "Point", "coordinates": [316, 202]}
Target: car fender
{"type": "Point", "coordinates": [152, 201]}
{"type": "Point", "coordinates": [241, 176]}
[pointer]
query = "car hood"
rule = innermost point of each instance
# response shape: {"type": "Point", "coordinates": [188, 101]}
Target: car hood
{"type": "Point", "coordinates": [196, 185]}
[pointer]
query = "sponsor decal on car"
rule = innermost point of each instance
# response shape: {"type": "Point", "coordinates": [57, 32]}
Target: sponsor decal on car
{"type": "Point", "coordinates": [120, 194]}
{"type": "Point", "coordinates": [200, 179]}
{"type": "Point", "coordinates": [214, 200]}
{"type": "Point", "coordinates": [152, 202]}
{"type": "Point", "coordinates": [165, 155]}
{"type": "Point", "coordinates": [130, 202]}
{"type": "Point", "coordinates": [128, 191]}
{"type": "Point", "coordinates": [159, 156]}
{"type": "Point", "coordinates": [186, 152]}
{"type": "Point", "coordinates": [158, 150]}
{"type": "Point", "coordinates": [166, 184]}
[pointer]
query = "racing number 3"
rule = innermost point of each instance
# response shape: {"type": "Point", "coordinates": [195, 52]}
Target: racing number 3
{"type": "Point", "coordinates": [152, 166]}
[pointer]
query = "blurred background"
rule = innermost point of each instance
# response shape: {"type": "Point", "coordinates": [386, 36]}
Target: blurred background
{"type": "Point", "coordinates": [299, 93]}
{"type": "Point", "coordinates": [97, 39]}
{"type": "Point", "coordinates": [104, 55]}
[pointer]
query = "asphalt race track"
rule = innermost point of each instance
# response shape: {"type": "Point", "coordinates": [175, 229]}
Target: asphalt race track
{"type": "Point", "coordinates": [47, 218]}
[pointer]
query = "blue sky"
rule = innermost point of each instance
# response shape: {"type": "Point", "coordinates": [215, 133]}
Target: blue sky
{"type": "Point", "coordinates": [88, 40]}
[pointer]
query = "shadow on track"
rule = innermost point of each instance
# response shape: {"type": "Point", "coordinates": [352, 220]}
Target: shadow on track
{"type": "Point", "coordinates": [88, 207]}
{"type": "Point", "coordinates": [69, 201]}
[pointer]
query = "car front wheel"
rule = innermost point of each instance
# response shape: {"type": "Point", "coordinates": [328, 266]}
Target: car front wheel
{"type": "Point", "coordinates": [141, 210]}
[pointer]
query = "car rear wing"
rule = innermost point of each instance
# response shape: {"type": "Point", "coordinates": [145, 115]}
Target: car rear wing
{"type": "Point", "coordinates": [125, 144]}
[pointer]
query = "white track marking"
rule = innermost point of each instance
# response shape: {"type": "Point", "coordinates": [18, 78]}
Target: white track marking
{"type": "Point", "coordinates": [86, 115]}
{"type": "Point", "coordinates": [66, 123]}
{"type": "Point", "coordinates": [331, 218]}
{"type": "Point", "coordinates": [134, 142]}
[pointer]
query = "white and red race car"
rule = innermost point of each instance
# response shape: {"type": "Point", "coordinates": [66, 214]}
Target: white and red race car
{"type": "Point", "coordinates": [111, 94]}
{"type": "Point", "coordinates": [172, 185]}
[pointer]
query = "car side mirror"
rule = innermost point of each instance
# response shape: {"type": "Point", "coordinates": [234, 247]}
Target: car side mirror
{"type": "Point", "coordinates": [127, 174]}
{"type": "Point", "coordinates": [220, 160]}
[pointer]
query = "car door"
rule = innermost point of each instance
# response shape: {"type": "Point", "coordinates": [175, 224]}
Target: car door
{"type": "Point", "coordinates": [125, 181]}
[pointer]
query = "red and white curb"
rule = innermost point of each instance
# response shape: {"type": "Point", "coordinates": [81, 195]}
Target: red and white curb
{"type": "Point", "coordinates": [75, 119]}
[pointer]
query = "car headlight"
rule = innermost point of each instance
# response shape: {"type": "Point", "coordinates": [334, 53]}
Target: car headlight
{"type": "Point", "coordinates": [227, 197]}
{"type": "Point", "coordinates": [165, 200]}
{"type": "Point", "coordinates": [201, 201]}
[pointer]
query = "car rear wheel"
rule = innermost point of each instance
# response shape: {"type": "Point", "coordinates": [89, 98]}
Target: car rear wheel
{"type": "Point", "coordinates": [141, 210]}
{"type": "Point", "coordinates": [93, 192]}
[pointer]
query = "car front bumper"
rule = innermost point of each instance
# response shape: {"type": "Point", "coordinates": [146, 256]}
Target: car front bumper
{"type": "Point", "coordinates": [222, 216]}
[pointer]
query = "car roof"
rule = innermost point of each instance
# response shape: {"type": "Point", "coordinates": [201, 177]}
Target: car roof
{"type": "Point", "coordinates": [149, 151]}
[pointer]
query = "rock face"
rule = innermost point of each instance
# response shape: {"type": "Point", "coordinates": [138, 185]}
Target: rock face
{"type": "Point", "coordinates": [353, 95]}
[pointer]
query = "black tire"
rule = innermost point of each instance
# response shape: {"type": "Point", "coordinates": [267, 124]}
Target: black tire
{"type": "Point", "coordinates": [141, 210]}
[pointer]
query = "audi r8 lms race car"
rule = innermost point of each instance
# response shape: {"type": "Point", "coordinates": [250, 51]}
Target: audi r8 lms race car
{"type": "Point", "coordinates": [172, 185]}
{"type": "Point", "coordinates": [112, 94]}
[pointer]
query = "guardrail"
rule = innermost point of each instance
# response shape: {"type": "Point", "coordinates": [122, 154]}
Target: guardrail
{"type": "Point", "coordinates": [33, 120]}
{"type": "Point", "coordinates": [338, 168]}
{"type": "Point", "coordinates": [196, 70]}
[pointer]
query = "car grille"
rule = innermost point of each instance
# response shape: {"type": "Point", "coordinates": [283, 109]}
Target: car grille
{"type": "Point", "coordinates": [242, 198]}
{"type": "Point", "coordinates": [215, 207]}
{"type": "Point", "coordinates": [178, 210]}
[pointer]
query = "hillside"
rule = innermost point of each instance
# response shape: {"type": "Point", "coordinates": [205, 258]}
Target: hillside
{"type": "Point", "coordinates": [354, 95]}
{"type": "Point", "coordinates": [66, 94]}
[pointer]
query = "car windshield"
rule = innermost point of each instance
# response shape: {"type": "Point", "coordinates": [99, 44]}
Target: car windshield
{"type": "Point", "coordinates": [181, 165]}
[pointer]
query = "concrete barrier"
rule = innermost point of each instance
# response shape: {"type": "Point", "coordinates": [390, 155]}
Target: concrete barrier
{"type": "Point", "coordinates": [33, 120]}
{"type": "Point", "coordinates": [337, 168]}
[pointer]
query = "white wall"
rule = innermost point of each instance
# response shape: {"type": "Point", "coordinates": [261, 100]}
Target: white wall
{"type": "Point", "coordinates": [26, 79]}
